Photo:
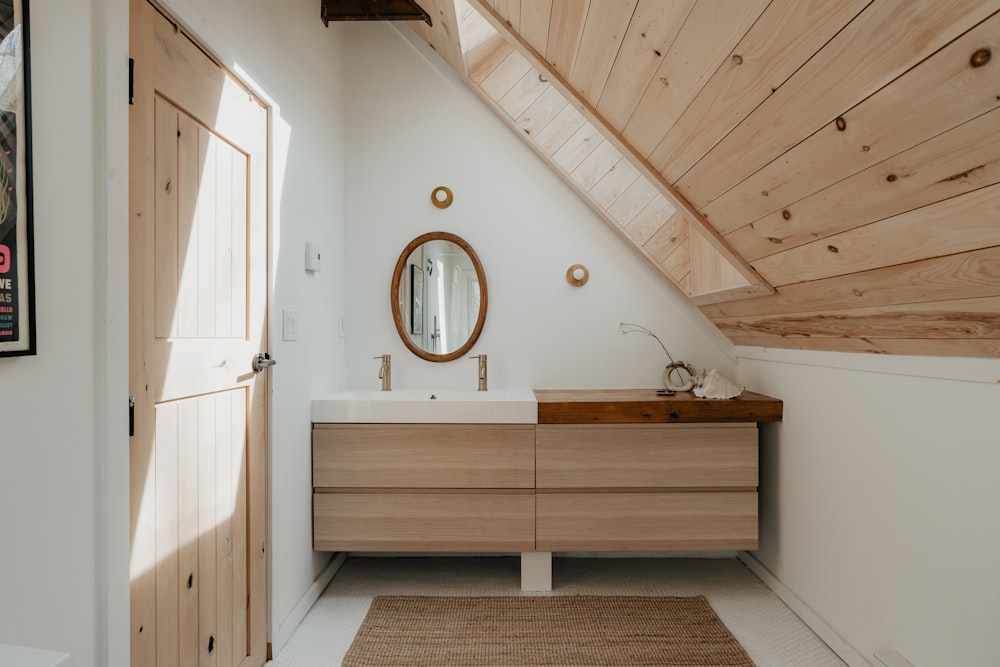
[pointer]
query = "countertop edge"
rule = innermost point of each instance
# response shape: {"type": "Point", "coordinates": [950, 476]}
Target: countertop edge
{"type": "Point", "coordinates": [632, 406]}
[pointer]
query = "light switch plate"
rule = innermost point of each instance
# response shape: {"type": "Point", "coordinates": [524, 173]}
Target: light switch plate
{"type": "Point", "coordinates": [313, 259]}
{"type": "Point", "coordinates": [290, 325]}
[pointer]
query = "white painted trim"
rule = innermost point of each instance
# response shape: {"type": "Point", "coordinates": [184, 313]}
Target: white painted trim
{"type": "Point", "coordinates": [305, 603]}
{"type": "Point", "coordinates": [111, 323]}
{"type": "Point", "coordinates": [816, 623]}
{"type": "Point", "coordinates": [964, 369]}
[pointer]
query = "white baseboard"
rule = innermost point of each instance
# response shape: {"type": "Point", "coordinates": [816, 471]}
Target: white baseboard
{"type": "Point", "coordinates": [305, 603]}
{"type": "Point", "coordinates": [816, 623]}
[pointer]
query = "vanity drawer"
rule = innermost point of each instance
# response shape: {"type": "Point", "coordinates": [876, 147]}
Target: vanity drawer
{"type": "Point", "coordinates": [646, 456]}
{"type": "Point", "coordinates": [424, 521]}
{"type": "Point", "coordinates": [457, 456]}
{"type": "Point", "coordinates": [646, 521]}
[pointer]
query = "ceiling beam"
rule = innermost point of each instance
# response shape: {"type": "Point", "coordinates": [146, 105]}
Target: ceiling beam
{"type": "Point", "coordinates": [612, 135]}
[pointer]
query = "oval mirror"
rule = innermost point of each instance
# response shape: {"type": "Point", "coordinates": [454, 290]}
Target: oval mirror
{"type": "Point", "coordinates": [439, 296]}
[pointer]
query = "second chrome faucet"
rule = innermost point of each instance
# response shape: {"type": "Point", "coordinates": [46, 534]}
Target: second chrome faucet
{"type": "Point", "coordinates": [482, 370]}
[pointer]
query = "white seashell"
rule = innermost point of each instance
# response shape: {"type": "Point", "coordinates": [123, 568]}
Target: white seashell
{"type": "Point", "coordinates": [716, 385]}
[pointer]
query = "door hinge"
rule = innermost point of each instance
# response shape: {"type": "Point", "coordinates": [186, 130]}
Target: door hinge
{"type": "Point", "coordinates": [131, 81]}
{"type": "Point", "coordinates": [131, 416]}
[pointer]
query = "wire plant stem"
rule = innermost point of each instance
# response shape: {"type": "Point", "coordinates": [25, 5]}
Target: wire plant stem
{"type": "Point", "coordinates": [639, 329]}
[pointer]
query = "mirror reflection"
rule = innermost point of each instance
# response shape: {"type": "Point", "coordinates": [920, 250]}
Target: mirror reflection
{"type": "Point", "coordinates": [439, 296]}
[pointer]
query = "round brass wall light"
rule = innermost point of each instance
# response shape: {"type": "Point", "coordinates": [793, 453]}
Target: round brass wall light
{"type": "Point", "coordinates": [577, 275]}
{"type": "Point", "coordinates": [442, 197]}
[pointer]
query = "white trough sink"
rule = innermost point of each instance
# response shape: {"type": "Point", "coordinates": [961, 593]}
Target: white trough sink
{"type": "Point", "coordinates": [427, 406]}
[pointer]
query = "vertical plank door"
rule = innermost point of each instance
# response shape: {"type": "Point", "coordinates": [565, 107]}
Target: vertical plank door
{"type": "Point", "coordinates": [198, 290]}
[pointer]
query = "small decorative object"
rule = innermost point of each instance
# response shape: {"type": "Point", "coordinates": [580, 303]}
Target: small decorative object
{"type": "Point", "coordinates": [577, 275]}
{"type": "Point", "coordinates": [442, 197]}
{"type": "Point", "coordinates": [677, 375]}
{"type": "Point", "coordinates": [716, 385]}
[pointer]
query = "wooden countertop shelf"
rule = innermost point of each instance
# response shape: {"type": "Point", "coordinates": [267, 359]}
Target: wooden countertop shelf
{"type": "Point", "coordinates": [644, 406]}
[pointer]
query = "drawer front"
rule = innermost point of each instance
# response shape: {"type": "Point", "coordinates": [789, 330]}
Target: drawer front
{"type": "Point", "coordinates": [646, 456]}
{"type": "Point", "coordinates": [677, 521]}
{"type": "Point", "coordinates": [442, 521]}
{"type": "Point", "coordinates": [459, 456]}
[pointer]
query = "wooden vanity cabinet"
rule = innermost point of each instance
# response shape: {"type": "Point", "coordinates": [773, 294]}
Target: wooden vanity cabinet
{"type": "Point", "coordinates": [612, 470]}
{"type": "Point", "coordinates": [646, 487]}
{"type": "Point", "coordinates": [424, 487]}
{"type": "Point", "coordinates": [626, 470]}
{"type": "Point", "coordinates": [637, 456]}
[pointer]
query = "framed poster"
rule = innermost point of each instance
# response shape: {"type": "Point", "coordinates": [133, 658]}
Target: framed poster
{"type": "Point", "coordinates": [416, 300]}
{"type": "Point", "coordinates": [17, 286]}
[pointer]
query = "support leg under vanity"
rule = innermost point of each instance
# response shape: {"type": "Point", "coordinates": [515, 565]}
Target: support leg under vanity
{"type": "Point", "coordinates": [536, 570]}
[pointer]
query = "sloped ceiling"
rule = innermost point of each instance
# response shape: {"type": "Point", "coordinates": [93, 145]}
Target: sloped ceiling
{"type": "Point", "coordinates": [813, 174]}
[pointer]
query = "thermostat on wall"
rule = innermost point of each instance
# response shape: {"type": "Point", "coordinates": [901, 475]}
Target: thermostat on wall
{"type": "Point", "coordinates": [312, 256]}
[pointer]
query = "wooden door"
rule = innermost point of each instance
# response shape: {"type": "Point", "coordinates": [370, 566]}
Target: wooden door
{"type": "Point", "coordinates": [198, 255]}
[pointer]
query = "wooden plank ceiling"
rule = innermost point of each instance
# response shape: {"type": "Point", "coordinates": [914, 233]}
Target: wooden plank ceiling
{"type": "Point", "coordinates": [813, 174]}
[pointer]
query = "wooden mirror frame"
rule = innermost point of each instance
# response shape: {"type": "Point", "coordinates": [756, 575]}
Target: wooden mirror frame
{"type": "Point", "coordinates": [397, 315]}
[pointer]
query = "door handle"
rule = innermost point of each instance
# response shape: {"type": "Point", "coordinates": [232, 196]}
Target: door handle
{"type": "Point", "coordinates": [261, 361]}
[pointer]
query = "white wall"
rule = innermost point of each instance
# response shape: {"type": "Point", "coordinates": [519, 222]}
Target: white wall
{"type": "Point", "coordinates": [63, 420]}
{"type": "Point", "coordinates": [55, 404]}
{"type": "Point", "coordinates": [879, 498]}
{"type": "Point", "coordinates": [414, 126]}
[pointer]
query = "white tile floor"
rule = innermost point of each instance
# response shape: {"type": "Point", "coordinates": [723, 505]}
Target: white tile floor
{"type": "Point", "coordinates": [768, 630]}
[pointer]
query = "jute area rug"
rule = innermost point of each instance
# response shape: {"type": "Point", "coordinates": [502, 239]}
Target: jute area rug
{"type": "Point", "coordinates": [543, 630]}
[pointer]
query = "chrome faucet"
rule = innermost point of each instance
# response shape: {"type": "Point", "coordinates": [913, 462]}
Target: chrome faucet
{"type": "Point", "coordinates": [385, 371]}
{"type": "Point", "coordinates": [482, 370]}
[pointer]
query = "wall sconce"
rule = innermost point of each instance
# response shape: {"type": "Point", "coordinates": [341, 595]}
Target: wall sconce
{"type": "Point", "coordinates": [577, 275]}
{"type": "Point", "coordinates": [442, 197]}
